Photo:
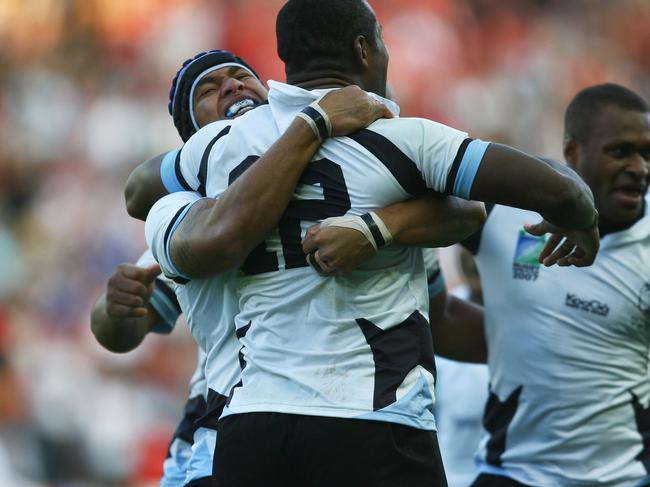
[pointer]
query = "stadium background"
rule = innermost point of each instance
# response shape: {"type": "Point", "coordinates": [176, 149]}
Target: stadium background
{"type": "Point", "coordinates": [83, 97]}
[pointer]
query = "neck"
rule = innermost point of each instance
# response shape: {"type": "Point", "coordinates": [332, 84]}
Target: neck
{"type": "Point", "coordinates": [314, 80]}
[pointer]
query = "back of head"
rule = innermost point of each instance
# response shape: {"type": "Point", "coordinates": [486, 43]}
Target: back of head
{"type": "Point", "coordinates": [586, 105]}
{"type": "Point", "coordinates": [319, 35]}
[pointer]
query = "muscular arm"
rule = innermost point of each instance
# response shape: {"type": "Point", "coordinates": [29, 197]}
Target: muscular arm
{"type": "Point", "coordinates": [509, 177]}
{"type": "Point", "coordinates": [432, 220]}
{"type": "Point", "coordinates": [217, 235]}
{"type": "Point", "coordinates": [144, 187]}
{"type": "Point", "coordinates": [458, 329]}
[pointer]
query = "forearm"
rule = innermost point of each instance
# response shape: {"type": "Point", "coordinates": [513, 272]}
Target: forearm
{"type": "Point", "coordinates": [119, 335]}
{"type": "Point", "coordinates": [217, 235]}
{"type": "Point", "coordinates": [432, 220]}
{"type": "Point", "coordinates": [512, 178]}
{"type": "Point", "coordinates": [458, 331]}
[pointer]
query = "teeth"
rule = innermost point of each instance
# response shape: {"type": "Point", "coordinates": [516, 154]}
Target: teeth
{"type": "Point", "coordinates": [236, 107]}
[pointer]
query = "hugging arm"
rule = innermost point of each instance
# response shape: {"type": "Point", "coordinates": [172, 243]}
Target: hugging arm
{"type": "Point", "coordinates": [217, 235]}
{"type": "Point", "coordinates": [431, 220]}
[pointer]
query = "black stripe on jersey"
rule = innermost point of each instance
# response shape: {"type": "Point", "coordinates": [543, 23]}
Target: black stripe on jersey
{"type": "Point", "coordinates": [453, 172]}
{"type": "Point", "coordinates": [496, 419]}
{"type": "Point", "coordinates": [176, 279]}
{"type": "Point", "coordinates": [214, 408]}
{"type": "Point", "coordinates": [179, 280]}
{"type": "Point", "coordinates": [374, 230]}
{"type": "Point", "coordinates": [171, 225]}
{"type": "Point", "coordinates": [195, 408]}
{"type": "Point", "coordinates": [473, 242]}
{"type": "Point", "coordinates": [240, 333]}
{"type": "Point", "coordinates": [179, 173]}
{"type": "Point", "coordinates": [642, 419]}
{"type": "Point", "coordinates": [393, 354]}
{"type": "Point", "coordinates": [203, 169]}
{"type": "Point", "coordinates": [169, 294]}
{"type": "Point", "coordinates": [400, 166]}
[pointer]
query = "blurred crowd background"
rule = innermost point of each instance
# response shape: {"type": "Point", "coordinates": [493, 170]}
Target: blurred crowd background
{"type": "Point", "coordinates": [83, 100]}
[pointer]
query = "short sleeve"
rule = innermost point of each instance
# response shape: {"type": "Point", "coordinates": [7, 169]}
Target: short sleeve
{"type": "Point", "coordinates": [184, 169]}
{"type": "Point", "coordinates": [445, 159]}
{"type": "Point", "coordinates": [162, 220]}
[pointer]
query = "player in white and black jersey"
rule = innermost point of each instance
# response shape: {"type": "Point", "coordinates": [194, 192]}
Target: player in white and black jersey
{"type": "Point", "coordinates": [568, 348]}
{"type": "Point", "coordinates": [138, 301]}
{"type": "Point", "coordinates": [213, 83]}
{"type": "Point", "coordinates": [320, 354]}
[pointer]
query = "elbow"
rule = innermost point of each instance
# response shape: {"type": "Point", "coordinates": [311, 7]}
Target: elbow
{"type": "Point", "coordinates": [476, 217]}
{"type": "Point", "coordinates": [131, 192]}
{"type": "Point", "coordinates": [572, 206]}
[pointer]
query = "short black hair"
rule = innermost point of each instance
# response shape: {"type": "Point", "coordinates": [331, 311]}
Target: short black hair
{"type": "Point", "coordinates": [587, 103]}
{"type": "Point", "coordinates": [319, 34]}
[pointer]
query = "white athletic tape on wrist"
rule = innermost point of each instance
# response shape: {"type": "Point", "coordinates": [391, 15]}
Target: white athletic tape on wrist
{"type": "Point", "coordinates": [385, 233]}
{"type": "Point", "coordinates": [357, 223]}
{"type": "Point", "coordinates": [328, 123]}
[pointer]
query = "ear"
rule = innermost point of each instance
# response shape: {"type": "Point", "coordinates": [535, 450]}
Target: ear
{"type": "Point", "coordinates": [571, 153]}
{"type": "Point", "coordinates": [361, 51]}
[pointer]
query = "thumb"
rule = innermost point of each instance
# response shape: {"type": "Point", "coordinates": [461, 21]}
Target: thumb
{"type": "Point", "coordinates": [386, 112]}
{"type": "Point", "coordinates": [537, 229]}
{"type": "Point", "coordinates": [308, 244]}
{"type": "Point", "coordinates": [150, 273]}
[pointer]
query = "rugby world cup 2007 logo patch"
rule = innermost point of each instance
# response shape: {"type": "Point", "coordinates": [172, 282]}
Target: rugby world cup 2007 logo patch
{"type": "Point", "coordinates": [525, 265]}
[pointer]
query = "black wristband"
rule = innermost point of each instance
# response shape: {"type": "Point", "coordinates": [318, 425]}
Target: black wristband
{"type": "Point", "coordinates": [319, 120]}
{"type": "Point", "coordinates": [374, 230]}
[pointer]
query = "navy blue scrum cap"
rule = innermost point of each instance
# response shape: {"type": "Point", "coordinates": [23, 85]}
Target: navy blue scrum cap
{"type": "Point", "coordinates": [192, 71]}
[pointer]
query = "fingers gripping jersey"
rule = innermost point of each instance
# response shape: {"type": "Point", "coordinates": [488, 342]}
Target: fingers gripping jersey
{"type": "Point", "coordinates": [570, 394]}
{"type": "Point", "coordinates": [354, 346]}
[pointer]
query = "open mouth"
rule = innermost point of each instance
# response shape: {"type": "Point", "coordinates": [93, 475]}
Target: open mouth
{"type": "Point", "coordinates": [631, 193]}
{"type": "Point", "coordinates": [240, 107]}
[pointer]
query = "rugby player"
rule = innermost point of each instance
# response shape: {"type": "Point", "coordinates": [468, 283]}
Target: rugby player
{"type": "Point", "coordinates": [219, 86]}
{"type": "Point", "coordinates": [319, 355]}
{"type": "Point", "coordinates": [570, 399]}
{"type": "Point", "coordinates": [568, 348]}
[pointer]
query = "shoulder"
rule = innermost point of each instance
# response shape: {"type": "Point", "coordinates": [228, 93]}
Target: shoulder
{"type": "Point", "coordinates": [204, 136]}
{"type": "Point", "coordinates": [414, 127]}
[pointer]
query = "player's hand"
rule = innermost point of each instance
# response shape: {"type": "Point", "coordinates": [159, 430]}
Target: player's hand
{"type": "Point", "coordinates": [129, 289]}
{"type": "Point", "coordinates": [566, 247]}
{"type": "Point", "coordinates": [351, 109]}
{"type": "Point", "coordinates": [335, 250]}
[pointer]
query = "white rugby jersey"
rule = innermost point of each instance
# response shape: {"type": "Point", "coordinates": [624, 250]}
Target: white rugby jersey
{"type": "Point", "coordinates": [209, 305]}
{"type": "Point", "coordinates": [209, 311]}
{"type": "Point", "coordinates": [354, 346]}
{"type": "Point", "coordinates": [568, 358]}
{"type": "Point", "coordinates": [164, 301]}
